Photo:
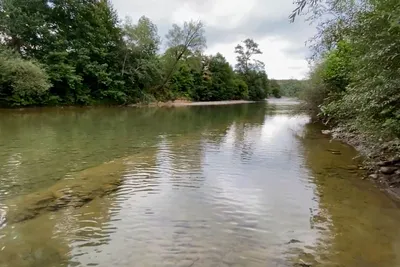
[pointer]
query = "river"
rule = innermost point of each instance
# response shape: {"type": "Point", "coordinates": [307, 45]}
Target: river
{"type": "Point", "coordinates": [252, 184]}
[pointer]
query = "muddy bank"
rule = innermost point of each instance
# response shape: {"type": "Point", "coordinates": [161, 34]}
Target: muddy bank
{"type": "Point", "coordinates": [382, 160]}
{"type": "Point", "coordinates": [74, 191]}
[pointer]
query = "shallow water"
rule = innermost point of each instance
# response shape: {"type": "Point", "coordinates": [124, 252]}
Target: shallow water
{"type": "Point", "coordinates": [233, 185]}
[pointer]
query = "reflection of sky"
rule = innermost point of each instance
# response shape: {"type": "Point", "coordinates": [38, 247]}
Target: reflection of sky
{"type": "Point", "coordinates": [250, 190]}
{"type": "Point", "coordinates": [271, 183]}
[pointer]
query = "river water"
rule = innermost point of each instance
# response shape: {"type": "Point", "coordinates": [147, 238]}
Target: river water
{"type": "Point", "coordinates": [231, 185]}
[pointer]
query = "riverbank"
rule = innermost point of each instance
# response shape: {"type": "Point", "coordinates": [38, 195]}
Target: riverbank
{"type": "Point", "coordinates": [183, 103]}
{"type": "Point", "coordinates": [382, 160]}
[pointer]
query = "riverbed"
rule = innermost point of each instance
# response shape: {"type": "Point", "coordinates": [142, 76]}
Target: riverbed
{"type": "Point", "coordinates": [250, 184]}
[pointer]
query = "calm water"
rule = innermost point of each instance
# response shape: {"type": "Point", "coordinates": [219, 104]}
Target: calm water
{"type": "Point", "coordinates": [234, 185]}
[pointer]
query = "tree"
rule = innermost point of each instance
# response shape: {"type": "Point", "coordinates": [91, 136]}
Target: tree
{"type": "Point", "coordinates": [300, 5]}
{"type": "Point", "coordinates": [181, 41]}
{"type": "Point", "coordinates": [252, 70]}
{"type": "Point", "coordinates": [20, 80]}
{"type": "Point", "coordinates": [78, 40]}
{"type": "Point", "coordinates": [141, 66]}
{"type": "Point", "coordinates": [79, 53]}
{"type": "Point", "coordinates": [275, 88]}
{"type": "Point", "coordinates": [355, 74]}
{"type": "Point", "coordinates": [245, 60]}
{"type": "Point", "coordinates": [258, 84]}
{"type": "Point", "coordinates": [291, 87]}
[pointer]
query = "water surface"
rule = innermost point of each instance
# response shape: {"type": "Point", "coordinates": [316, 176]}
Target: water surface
{"type": "Point", "coordinates": [233, 185]}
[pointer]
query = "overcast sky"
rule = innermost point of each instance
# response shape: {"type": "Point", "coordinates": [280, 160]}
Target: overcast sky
{"type": "Point", "coordinates": [230, 21]}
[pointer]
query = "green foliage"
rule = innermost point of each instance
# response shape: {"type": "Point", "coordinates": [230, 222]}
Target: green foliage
{"type": "Point", "coordinates": [141, 67]}
{"type": "Point", "coordinates": [275, 89]}
{"type": "Point", "coordinates": [356, 79]}
{"type": "Point", "coordinates": [338, 67]}
{"type": "Point", "coordinates": [77, 52]}
{"type": "Point", "coordinates": [257, 82]}
{"type": "Point", "coordinates": [214, 80]}
{"type": "Point", "coordinates": [252, 70]}
{"type": "Point", "coordinates": [315, 92]}
{"type": "Point", "coordinates": [21, 81]}
{"type": "Point", "coordinates": [221, 84]}
{"type": "Point", "coordinates": [183, 42]}
{"type": "Point", "coordinates": [291, 88]}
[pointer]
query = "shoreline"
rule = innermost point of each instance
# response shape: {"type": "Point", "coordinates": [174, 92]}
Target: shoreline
{"type": "Point", "coordinates": [383, 167]}
{"type": "Point", "coordinates": [185, 103]}
{"type": "Point", "coordinates": [176, 103]}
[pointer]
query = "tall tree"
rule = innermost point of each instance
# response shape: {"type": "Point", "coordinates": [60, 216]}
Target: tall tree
{"type": "Point", "coordinates": [141, 66]}
{"type": "Point", "coordinates": [245, 56]}
{"type": "Point", "coordinates": [252, 70]}
{"type": "Point", "coordinates": [183, 40]}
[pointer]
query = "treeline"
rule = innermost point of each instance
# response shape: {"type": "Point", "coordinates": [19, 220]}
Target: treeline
{"type": "Point", "coordinates": [58, 52]}
{"type": "Point", "coordinates": [355, 78]}
{"type": "Point", "coordinates": [291, 87]}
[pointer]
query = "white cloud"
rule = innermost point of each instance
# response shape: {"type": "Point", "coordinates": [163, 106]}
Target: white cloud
{"type": "Point", "coordinates": [277, 64]}
{"type": "Point", "coordinates": [228, 22]}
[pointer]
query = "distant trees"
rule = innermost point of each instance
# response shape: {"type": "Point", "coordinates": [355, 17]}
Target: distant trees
{"type": "Point", "coordinates": [291, 87]}
{"type": "Point", "coordinates": [275, 89]}
{"type": "Point", "coordinates": [60, 52]}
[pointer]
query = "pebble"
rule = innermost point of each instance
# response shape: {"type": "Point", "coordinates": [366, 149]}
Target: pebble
{"type": "Point", "coordinates": [373, 176]}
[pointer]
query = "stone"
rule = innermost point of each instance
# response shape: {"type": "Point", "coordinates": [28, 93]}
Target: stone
{"type": "Point", "coordinates": [293, 241]}
{"type": "Point", "coordinates": [326, 131]}
{"type": "Point", "coordinates": [392, 161]}
{"type": "Point", "coordinates": [388, 170]}
{"type": "Point", "coordinates": [374, 176]}
{"type": "Point", "coordinates": [302, 263]}
{"type": "Point", "coordinates": [395, 160]}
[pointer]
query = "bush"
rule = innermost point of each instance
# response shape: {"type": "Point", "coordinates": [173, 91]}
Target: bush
{"type": "Point", "coordinates": [21, 81]}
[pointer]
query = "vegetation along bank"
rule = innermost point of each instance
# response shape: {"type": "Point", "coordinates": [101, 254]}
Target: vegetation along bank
{"type": "Point", "coordinates": [354, 83]}
{"type": "Point", "coordinates": [80, 53]}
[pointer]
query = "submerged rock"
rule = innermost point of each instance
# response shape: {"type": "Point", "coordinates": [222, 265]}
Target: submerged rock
{"type": "Point", "coordinates": [86, 186]}
{"type": "Point", "coordinates": [393, 161]}
{"type": "Point", "coordinates": [388, 170]}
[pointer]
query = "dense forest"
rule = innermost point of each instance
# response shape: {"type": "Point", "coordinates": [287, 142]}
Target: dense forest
{"type": "Point", "coordinates": [354, 82]}
{"type": "Point", "coordinates": [78, 52]}
{"type": "Point", "coordinates": [291, 87]}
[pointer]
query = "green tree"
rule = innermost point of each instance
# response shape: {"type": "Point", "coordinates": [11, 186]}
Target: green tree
{"type": "Point", "coordinates": [222, 75]}
{"type": "Point", "coordinates": [78, 41]}
{"type": "Point", "coordinates": [275, 88]}
{"type": "Point", "coordinates": [21, 81]}
{"type": "Point", "coordinates": [80, 53]}
{"type": "Point", "coordinates": [181, 41]}
{"type": "Point", "coordinates": [291, 87]}
{"type": "Point", "coordinates": [252, 70]}
{"type": "Point", "coordinates": [356, 64]}
{"type": "Point", "coordinates": [141, 67]}
{"type": "Point", "coordinates": [245, 56]}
